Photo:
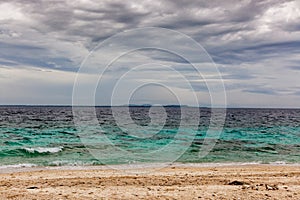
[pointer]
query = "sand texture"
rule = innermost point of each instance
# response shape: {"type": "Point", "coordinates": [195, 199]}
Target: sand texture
{"type": "Point", "coordinates": [226, 182]}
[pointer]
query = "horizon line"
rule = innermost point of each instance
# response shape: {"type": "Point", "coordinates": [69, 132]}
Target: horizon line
{"type": "Point", "coordinates": [141, 105]}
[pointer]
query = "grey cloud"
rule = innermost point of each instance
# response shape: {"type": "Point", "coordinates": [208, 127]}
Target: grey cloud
{"type": "Point", "coordinates": [237, 72]}
{"type": "Point", "coordinates": [291, 26]}
{"type": "Point", "coordinates": [199, 86]}
{"type": "Point", "coordinates": [255, 53]}
{"type": "Point", "coordinates": [163, 55]}
{"type": "Point", "coordinates": [297, 93]}
{"type": "Point", "coordinates": [261, 91]}
{"type": "Point", "coordinates": [20, 55]}
{"type": "Point", "coordinates": [239, 76]}
{"type": "Point", "coordinates": [81, 20]}
{"type": "Point", "coordinates": [228, 11]}
{"type": "Point", "coordinates": [294, 67]}
{"type": "Point", "coordinates": [8, 63]}
{"type": "Point", "coordinates": [229, 31]}
{"type": "Point", "coordinates": [257, 89]}
{"type": "Point", "coordinates": [97, 21]}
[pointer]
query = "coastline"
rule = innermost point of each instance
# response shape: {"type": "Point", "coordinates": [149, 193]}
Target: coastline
{"type": "Point", "coordinates": [188, 181]}
{"type": "Point", "coordinates": [138, 167]}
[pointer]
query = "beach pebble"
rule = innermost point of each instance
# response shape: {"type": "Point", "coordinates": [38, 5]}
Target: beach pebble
{"type": "Point", "coordinates": [237, 183]}
{"type": "Point", "coordinates": [32, 188]}
{"type": "Point", "coordinates": [271, 187]}
{"type": "Point", "coordinates": [254, 187]}
{"type": "Point", "coordinates": [246, 186]}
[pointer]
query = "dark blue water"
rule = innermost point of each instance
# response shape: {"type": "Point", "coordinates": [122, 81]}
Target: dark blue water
{"type": "Point", "coordinates": [47, 136]}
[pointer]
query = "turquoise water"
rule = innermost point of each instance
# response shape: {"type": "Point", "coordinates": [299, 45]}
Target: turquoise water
{"type": "Point", "coordinates": [47, 136]}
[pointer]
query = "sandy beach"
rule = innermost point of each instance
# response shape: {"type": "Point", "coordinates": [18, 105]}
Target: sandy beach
{"type": "Point", "coordinates": [174, 182]}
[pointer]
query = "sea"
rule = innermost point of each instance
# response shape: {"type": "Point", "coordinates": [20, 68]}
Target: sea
{"type": "Point", "coordinates": [32, 136]}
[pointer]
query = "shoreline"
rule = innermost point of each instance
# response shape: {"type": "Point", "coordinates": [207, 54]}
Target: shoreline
{"type": "Point", "coordinates": [27, 167]}
{"type": "Point", "coordinates": [262, 181]}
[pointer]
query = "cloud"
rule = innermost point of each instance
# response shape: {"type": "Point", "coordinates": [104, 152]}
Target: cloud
{"type": "Point", "coordinates": [294, 67]}
{"type": "Point", "coordinates": [255, 44]}
{"type": "Point", "coordinates": [28, 55]}
{"type": "Point", "coordinates": [261, 91]}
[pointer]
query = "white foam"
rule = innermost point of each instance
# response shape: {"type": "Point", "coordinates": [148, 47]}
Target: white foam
{"type": "Point", "coordinates": [22, 165]}
{"type": "Point", "coordinates": [278, 163]}
{"type": "Point", "coordinates": [44, 149]}
{"type": "Point", "coordinates": [68, 163]}
{"type": "Point", "coordinates": [225, 164]}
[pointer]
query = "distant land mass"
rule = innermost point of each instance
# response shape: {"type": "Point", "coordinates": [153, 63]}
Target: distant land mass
{"type": "Point", "coordinates": [155, 105]}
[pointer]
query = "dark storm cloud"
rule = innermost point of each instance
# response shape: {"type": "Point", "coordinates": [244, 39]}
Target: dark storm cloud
{"type": "Point", "coordinates": [64, 15]}
{"type": "Point", "coordinates": [87, 20]}
{"type": "Point", "coordinates": [218, 12]}
{"type": "Point", "coordinates": [118, 12]}
{"type": "Point", "coordinates": [93, 22]}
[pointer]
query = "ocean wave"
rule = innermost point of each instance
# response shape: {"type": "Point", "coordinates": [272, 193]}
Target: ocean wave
{"type": "Point", "coordinates": [74, 163]}
{"type": "Point", "coordinates": [43, 149]}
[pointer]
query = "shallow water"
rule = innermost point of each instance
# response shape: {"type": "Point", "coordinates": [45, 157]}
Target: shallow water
{"type": "Point", "coordinates": [47, 136]}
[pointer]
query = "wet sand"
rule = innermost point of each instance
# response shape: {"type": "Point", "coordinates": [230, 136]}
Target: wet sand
{"type": "Point", "coordinates": [177, 182]}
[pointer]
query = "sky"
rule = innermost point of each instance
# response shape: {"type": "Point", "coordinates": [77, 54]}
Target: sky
{"type": "Point", "coordinates": [254, 45]}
